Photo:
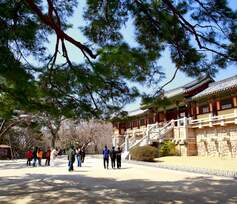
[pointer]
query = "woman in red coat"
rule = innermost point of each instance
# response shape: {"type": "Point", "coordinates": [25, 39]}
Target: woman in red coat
{"type": "Point", "coordinates": [29, 156]}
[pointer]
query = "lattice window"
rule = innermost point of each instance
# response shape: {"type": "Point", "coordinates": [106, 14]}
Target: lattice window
{"type": "Point", "coordinates": [142, 122]}
{"type": "Point", "coordinates": [151, 121]}
{"type": "Point", "coordinates": [226, 103]}
{"type": "Point", "coordinates": [134, 123]}
{"type": "Point", "coordinates": [204, 108]}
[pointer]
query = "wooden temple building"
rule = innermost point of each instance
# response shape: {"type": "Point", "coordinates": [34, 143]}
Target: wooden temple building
{"type": "Point", "coordinates": [199, 117]}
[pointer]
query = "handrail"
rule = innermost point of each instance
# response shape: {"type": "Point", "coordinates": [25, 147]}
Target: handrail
{"type": "Point", "coordinates": [137, 142]}
{"type": "Point", "coordinates": [214, 119]}
{"type": "Point", "coordinates": [169, 124]}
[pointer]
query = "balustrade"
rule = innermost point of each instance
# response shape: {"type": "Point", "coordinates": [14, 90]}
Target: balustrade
{"type": "Point", "coordinates": [215, 120]}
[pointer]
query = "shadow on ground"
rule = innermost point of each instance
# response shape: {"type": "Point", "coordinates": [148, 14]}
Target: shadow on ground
{"type": "Point", "coordinates": [75, 188]}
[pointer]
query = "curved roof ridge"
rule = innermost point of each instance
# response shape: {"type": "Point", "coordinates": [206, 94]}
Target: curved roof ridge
{"type": "Point", "coordinates": [218, 86]}
{"type": "Point", "coordinates": [223, 80]}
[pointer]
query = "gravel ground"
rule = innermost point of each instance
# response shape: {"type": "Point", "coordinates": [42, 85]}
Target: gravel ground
{"type": "Point", "coordinates": [93, 184]}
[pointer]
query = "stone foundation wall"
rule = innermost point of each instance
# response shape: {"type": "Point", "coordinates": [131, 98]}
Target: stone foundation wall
{"type": "Point", "coordinates": [217, 141]}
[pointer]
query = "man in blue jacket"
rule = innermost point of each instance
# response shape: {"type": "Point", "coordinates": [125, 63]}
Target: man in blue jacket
{"type": "Point", "coordinates": [106, 157]}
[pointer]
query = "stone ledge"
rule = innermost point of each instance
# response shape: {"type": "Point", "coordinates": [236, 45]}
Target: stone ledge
{"type": "Point", "coordinates": [214, 172]}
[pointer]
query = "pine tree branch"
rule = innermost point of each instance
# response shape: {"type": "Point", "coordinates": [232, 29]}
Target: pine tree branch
{"type": "Point", "coordinates": [197, 36]}
{"type": "Point", "coordinates": [49, 21]}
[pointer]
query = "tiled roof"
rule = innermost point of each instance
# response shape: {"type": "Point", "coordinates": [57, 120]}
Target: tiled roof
{"type": "Point", "coordinates": [174, 92]}
{"type": "Point", "coordinates": [188, 87]}
{"type": "Point", "coordinates": [201, 82]}
{"type": "Point", "coordinates": [219, 86]}
{"type": "Point", "coordinates": [136, 112]}
{"type": "Point", "coordinates": [197, 81]}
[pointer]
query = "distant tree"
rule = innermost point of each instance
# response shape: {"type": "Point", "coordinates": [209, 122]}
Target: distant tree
{"type": "Point", "coordinates": [86, 133]}
{"type": "Point", "coordinates": [21, 132]}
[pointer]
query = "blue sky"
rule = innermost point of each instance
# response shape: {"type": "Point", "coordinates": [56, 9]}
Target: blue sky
{"type": "Point", "coordinates": [165, 61]}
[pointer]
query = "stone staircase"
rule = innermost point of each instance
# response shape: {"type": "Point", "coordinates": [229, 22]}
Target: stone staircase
{"type": "Point", "coordinates": [153, 133]}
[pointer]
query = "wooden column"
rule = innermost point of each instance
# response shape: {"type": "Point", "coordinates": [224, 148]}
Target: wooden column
{"type": "Point", "coordinates": [157, 117]}
{"type": "Point", "coordinates": [235, 101]}
{"type": "Point", "coordinates": [210, 106]}
{"type": "Point", "coordinates": [197, 109]}
{"type": "Point", "coordinates": [214, 107]}
{"type": "Point", "coordinates": [165, 118]}
{"type": "Point", "coordinates": [218, 105]}
{"type": "Point", "coordinates": [189, 109]}
{"type": "Point", "coordinates": [193, 109]}
{"type": "Point", "coordinates": [177, 106]}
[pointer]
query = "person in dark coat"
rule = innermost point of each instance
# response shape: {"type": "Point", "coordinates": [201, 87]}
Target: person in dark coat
{"type": "Point", "coordinates": [35, 156]}
{"type": "Point", "coordinates": [47, 157]}
{"type": "Point", "coordinates": [118, 157]}
{"type": "Point", "coordinates": [83, 154]}
{"type": "Point", "coordinates": [113, 157]}
{"type": "Point", "coordinates": [106, 157]}
{"type": "Point", "coordinates": [71, 158]}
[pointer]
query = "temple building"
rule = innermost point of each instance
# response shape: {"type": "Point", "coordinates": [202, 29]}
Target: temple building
{"type": "Point", "coordinates": [199, 117]}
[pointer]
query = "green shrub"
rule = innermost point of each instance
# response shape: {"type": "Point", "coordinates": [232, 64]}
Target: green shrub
{"type": "Point", "coordinates": [144, 153]}
{"type": "Point", "coordinates": [167, 148]}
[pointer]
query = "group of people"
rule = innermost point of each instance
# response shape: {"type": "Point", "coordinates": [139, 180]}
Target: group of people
{"type": "Point", "coordinates": [115, 156]}
{"type": "Point", "coordinates": [79, 154]}
{"type": "Point", "coordinates": [36, 154]}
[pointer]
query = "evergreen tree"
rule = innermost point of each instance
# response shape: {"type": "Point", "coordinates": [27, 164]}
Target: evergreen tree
{"type": "Point", "coordinates": [200, 34]}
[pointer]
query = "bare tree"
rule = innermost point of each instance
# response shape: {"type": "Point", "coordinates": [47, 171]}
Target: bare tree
{"type": "Point", "coordinates": [92, 135]}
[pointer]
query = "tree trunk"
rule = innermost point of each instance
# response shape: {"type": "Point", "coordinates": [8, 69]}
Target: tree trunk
{"type": "Point", "coordinates": [53, 141]}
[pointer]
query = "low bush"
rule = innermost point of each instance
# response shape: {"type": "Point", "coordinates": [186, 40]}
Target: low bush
{"type": "Point", "coordinates": [144, 153]}
{"type": "Point", "coordinates": [167, 148]}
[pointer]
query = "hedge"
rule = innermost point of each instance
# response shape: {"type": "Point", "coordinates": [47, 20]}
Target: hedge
{"type": "Point", "coordinates": [167, 148]}
{"type": "Point", "coordinates": [144, 153]}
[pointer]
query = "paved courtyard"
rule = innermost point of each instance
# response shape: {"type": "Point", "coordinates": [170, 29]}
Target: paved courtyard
{"type": "Point", "coordinates": [93, 184]}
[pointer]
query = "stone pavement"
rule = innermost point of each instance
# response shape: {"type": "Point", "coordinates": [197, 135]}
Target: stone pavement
{"type": "Point", "coordinates": [94, 184]}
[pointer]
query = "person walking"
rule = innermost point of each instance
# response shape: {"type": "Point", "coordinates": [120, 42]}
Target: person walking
{"type": "Point", "coordinates": [83, 154]}
{"type": "Point", "coordinates": [53, 156]}
{"type": "Point", "coordinates": [71, 158]}
{"type": "Point", "coordinates": [39, 156]}
{"type": "Point", "coordinates": [29, 156]}
{"type": "Point", "coordinates": [47, 156]}
{"type": "Point", "coordinates": [118, 157]}
{"type": "Point", "coordinates": [35, 150]}
{"type": "Point", "coordinates": [106, 157]}
{"type": "Point", "coordinates": [79, 156]}
{"type": "Point", "coordinates": [113, 157]}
